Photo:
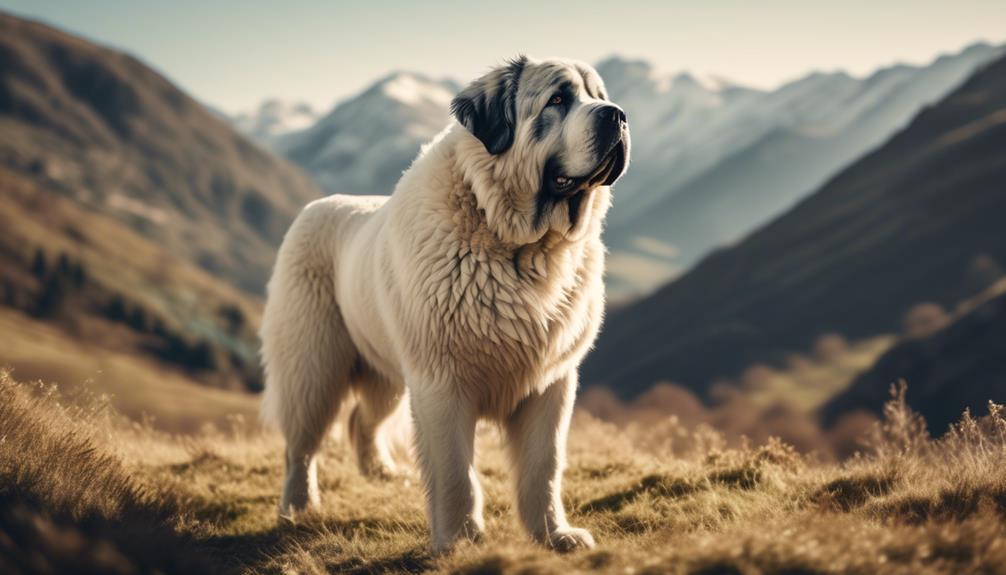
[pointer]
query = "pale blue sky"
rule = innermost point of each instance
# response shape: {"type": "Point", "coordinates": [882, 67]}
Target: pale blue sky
{"type": "Point", "coordinates": [234, 54]}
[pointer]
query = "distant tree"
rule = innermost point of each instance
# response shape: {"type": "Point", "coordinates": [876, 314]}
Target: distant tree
{"type": "Point", "coordinates": [52, 299]}
{"type": "Point", "coordinates": [7, 295]}
{"type": "Point", "coordinates": [116, 308]}
{"type": "Point", "coordinates": [39, 268]}
{"type": "Point", "coordinates": [233, 316]}
{"type": "Point", "coordinates": [158, 328]}
{"type": "Point", "coordinates": [202, 356]}
{"type": "Point", "coordinates": [63, 265]}
{"type": "Point", "coordinates": [77, 275]}
{"type": "Point", "coordinates": [138, 320]}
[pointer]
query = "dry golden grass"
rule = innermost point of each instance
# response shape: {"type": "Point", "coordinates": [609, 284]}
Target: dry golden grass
{"type": "Point", "coordinates": [82, 488]}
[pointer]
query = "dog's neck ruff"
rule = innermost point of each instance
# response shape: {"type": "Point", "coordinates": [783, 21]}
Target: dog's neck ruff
{"type": "Point", "coordinates": [505, 192]}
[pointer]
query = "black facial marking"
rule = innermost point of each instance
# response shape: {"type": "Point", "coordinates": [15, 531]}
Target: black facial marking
{"type": "Point", "coordinates": [546, 197]}
{"type": "Point", "coordinates": [541, 125]}
{"type": "Point", "coordinates": [488, 106]}
{"type": "Point", "coordinates": [574, 207]}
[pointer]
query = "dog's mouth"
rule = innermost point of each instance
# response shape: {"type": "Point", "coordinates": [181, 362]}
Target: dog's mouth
{"type": "Point", "coordinates": [607, 171]}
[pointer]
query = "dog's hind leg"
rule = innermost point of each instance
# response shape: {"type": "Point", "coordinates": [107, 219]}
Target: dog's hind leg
{"type": "Point", "coordinates": [308, 356]}
{"type": "Point", "coordinates": [377, 399]}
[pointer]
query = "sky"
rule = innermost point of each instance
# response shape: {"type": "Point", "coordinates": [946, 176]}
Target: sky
{"type": "Point", "coordinates": [232, 55]}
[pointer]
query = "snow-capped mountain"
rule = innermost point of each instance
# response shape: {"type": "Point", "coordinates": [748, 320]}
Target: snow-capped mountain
{"type": "Point", "coordinates": [363, 145]}
{"type": "Point", "coordinates": [274, 118]}
{"type": "Point", "coordinates": [711, 160]}
{"type": "Point", "coordinates": [712, 163]}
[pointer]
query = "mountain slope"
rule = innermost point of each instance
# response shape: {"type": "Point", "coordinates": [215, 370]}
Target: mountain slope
{"type": "Point", "coordinates": [708, 182]}
{"type": "Point", "coordinates": [897, 228]}
{"type": "Point", "coordinates": [960, 366]}
{"type": "Point", "coordinates": [84, 300]}
{"type": "Point", "coordinates": [364, 144]}
{"type": "Point", "coordinates": [101, 128]}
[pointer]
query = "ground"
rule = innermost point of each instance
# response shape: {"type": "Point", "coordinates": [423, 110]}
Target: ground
{"type": "Point", "coordinates": [84, 490]}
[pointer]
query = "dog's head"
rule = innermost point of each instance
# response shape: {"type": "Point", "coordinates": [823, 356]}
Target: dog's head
{"type": "Point", "coordinates": [553, 143]}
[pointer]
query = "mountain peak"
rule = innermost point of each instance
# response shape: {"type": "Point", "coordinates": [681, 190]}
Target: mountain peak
{"type": "Point", "coordinates": [413, 88]}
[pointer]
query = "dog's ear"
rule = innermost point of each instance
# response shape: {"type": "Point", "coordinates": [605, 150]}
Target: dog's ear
{"type": "Point", "coordinates": [488, 106]}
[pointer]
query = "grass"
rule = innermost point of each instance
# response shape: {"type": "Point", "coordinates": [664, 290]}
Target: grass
{"type": "Point", "coordinates": [84, 489]}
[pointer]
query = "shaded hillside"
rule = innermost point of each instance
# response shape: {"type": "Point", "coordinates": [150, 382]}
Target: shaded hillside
{"type": "Point", "coordinates": [84, 297]}
{"type": "Point", "coordinates": [960, 366]}
{"type": "Point", "coordinates": [899, 227]}
{"type": "Point", "coordinates": [99, 127]}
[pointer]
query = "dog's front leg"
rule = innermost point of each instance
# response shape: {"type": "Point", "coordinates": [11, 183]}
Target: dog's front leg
{"type": "Point", "coordinates": [445, 442]}
{"type": "Point", "coordinates": [537, 435]}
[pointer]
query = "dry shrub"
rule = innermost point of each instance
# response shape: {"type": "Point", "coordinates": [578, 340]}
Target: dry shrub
{"type": "Point", "coordinates": [901, 432]}
{"type": "Point", "coordinates": [757, 377]}
{"type": "Point", "coordinates": [667, 407]}
{"type": "Point", "coordinates": [830, 347]}
{"type": "Point", "coordinates": [924, 320]}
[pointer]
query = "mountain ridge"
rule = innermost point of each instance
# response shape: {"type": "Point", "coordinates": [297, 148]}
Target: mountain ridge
{"type": "Point", "coordinates": [896, 228]}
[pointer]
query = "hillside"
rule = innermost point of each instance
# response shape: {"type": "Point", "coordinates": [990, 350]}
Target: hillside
{"type": "Point", "coordinates": [960, 366]}
{"type": "Point", "coordinates": [137, 231]}
{"type": "Point", "coordinates": [900, 227]}
{"type": "Point", "coordinates": [85, 300]}
{"type": "Point", "coordinates": [102, 129]}
{"type": "Point", "coordinates": [82, 491]}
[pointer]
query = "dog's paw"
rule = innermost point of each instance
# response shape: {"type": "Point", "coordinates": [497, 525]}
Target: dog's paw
{"type": "Point", "coordinates": [570, 539]}
{"type": "Point", "coordinates": [471, 532]}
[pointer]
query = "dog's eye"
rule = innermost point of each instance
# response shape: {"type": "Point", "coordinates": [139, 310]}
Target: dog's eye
{"type": "Point", "coordinates": [555, 100]}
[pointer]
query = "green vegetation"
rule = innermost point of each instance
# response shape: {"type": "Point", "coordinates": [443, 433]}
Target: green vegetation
{"type": "Point", "coordinates": [82, 487]}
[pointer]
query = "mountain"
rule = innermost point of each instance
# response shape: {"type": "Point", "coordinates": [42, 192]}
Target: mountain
{"type": "Point", "coordinates": [99, 127]}
{"type": "Point", "coordinates": [273, 119]}
{"type": "Point", "coordinates": [138, 229]}
{"type": "Point", "coordinates": [962, 365]}
{"type": "Point", "coordinates": [900, 227]}
{"type": "Point", "coordinates": [712, 160]}
{"type": "Point", "coordinates": [710, 164]}
{"type": "Point", "coordinates": [363, 145]}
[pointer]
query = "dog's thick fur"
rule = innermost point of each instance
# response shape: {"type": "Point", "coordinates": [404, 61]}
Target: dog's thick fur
{"type": "Point", "coordinates": [474, 290]}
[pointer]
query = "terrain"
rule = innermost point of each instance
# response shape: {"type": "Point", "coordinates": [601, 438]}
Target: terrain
{"type": "Point", "coordinates": [915, 222]}
{"type": "Point", "coordinates": [82, 490]}
{"type": "Point", "coordinates": [138, 229]}
{"type": "Point", "coordinates": [101, 128]}
{"type": "Point", "coordinates": [960, 362]}
{"type": "Point", "coordinates": [715, 161]}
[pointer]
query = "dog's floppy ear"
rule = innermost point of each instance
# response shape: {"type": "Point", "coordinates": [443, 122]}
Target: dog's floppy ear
{"type": "Point", "coordinates": [488, 106]}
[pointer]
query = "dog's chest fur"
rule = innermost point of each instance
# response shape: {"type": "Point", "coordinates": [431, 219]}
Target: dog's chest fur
{"type": "Point", "coordinates": [504, 321]}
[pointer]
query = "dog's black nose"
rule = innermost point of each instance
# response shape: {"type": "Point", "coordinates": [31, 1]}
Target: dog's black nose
{"type": "Point", "coordinates": [618, 116]}
{"type": "Point", "coordinates": [613, 114]}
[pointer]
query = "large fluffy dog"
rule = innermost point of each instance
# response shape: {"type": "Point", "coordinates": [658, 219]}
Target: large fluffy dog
{"type": "Point", "coordinates": [476, 287]}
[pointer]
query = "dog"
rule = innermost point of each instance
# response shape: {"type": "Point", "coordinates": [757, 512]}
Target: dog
{"type": "Point", "coordinates": [472, 292]}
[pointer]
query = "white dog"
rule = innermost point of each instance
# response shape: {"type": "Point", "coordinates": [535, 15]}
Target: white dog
{"type": "Point", "coordinates": [477, 287]}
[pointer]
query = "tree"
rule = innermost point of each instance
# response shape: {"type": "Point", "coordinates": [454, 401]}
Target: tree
{"type": "Point", "coordinates": [39, 268]}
